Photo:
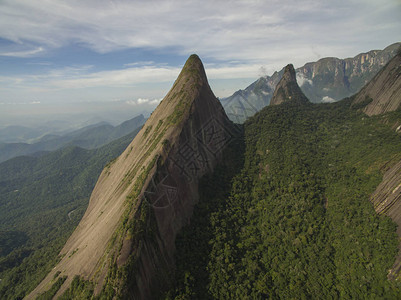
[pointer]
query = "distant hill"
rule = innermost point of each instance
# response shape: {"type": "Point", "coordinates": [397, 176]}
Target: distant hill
{"type": "Point", "coordinates": [42, 200]}
{"type": "Point", "coordinates": [89, 137]}
{"type": "Point", "coordinates": [327, 80]}
{"type": "Point", "coordinates": [14, 134]}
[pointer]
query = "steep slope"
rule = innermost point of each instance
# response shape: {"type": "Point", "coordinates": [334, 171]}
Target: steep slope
{"type": "Point", "coordinates": [42, 200]}
{"type": "Point", "coordinates": [287, 89]}
{"type": "Point", "coordinates": [387, 200]}
{"type": "Point", "coordinates": [384, 90]}
{"type": "Point", "coordinates": [329, 79]}
{"type": "Point", "coordinates": [297, 223]}
{"type": "Point", "coordinates": [243, 104]}
{"type": "Point", "coordinates": [125, 241]}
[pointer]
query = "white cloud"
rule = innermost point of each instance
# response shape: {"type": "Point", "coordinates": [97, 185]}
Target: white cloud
{"type": "Point", "coordinates": [142, 101]}
{"type": "Point", "coordinates": [234, 39]}
{"type": "Point", "coordinates": [327, 99]}
{"type": "Point", "coordinates": [26, 53]}
{"type": "Point", "coordinates": [81, 77]}
{"type": "Point", "coordinates": [301, 79]}
{"type": "Point", "coordinates": [115, 78]}
{"type": "Point", "coordinates": [139, 63]}
{"type": "Point", "coordinates": [249, 31]}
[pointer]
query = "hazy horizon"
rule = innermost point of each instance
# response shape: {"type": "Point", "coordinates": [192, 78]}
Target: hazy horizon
{"type": "Point", "coordinates": [118, 59]}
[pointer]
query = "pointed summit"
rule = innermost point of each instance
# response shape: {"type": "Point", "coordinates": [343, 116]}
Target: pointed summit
{"type": "Point", "coordinates": [125, 242]}
{"type": "Point", "coordinates": [191, 78]}
{"type": "Point", "coordinates": [193, 68]}
{"type": "Point", "coordinates": [287, 89]}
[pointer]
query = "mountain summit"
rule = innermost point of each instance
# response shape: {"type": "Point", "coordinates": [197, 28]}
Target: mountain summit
{"type": "Point", "coordinates": [287, 89]}
{"type": "Point", "coordinates": [125, 243]}
{"type": "Point", "coordinates": [326, 80]}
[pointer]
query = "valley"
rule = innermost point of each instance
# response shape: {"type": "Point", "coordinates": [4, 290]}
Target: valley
{"type": "Point", "coordinates": [299, 201]}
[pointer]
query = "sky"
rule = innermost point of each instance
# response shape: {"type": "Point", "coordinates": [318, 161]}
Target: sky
{"type": "Point", "coordinates": [97, 56]}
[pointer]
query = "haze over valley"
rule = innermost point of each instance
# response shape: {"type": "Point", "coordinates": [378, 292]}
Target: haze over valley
{"type": "Point", "coordinates": [184, 150]}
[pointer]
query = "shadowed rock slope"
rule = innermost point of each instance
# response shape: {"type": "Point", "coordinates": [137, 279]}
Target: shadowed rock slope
{"type": "Point", "coordinates": [384, 90]}
{"type": "Point", "coordinates": [382, 95]}
{"type": "Point", "coordinates": [287, 89]}
{"type": "Point", "coordinates": [387, 199]}
{"type": "Point", "coordinates": [124, 244]}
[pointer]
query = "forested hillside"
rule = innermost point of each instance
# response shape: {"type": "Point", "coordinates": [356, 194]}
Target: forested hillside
{"type": "Point", "coordinates": [42, 199]}
{"type": "Point", "coordinates": [89, 137]}
{"type": "Point", "coordinates": [293, 218]}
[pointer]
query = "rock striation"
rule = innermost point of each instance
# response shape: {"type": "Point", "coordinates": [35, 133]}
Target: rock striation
{"type": "Point", "coordinates": [125, 243]}
{"type": "Point", "coordinates": [287, 90]}
{"type": "Point", "coordinates": [326, 80]}
{"type": "Point", "coordinates": [387, 200]}
{"type": "Point", "coordinates": [384, 90]}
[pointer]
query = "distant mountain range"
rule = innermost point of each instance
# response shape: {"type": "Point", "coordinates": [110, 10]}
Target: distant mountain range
{"type": "Point", "coordinates": [199, 208]}
{"type": "Point", "coordinates": [23, 134]}
{"type": "Point", "coordinates": [327, 80]}
{"type": "Point", "coordinates": [42, 200]}
{"type": "Point", "coordinates": [89, 137]}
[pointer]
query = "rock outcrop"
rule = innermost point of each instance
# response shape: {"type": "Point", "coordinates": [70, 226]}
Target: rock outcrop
{"type": "Point", "coordinates": [326, 80]}
{"type": "Point", "coordinates": [287, 89]}
{"type": "Point", "coordinates": [387, 200]}
{"type": "Point", "coordinates": [125, 243]}
{"type": "Point", "coordinates": [384, 90]}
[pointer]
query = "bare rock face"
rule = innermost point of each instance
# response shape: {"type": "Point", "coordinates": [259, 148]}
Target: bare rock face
{"type": "Point", "coordinates": [384, 90]}
{"type": "Point", "coordinates": [124, 244]}
{"type": "Point", "coordinates": [287, 89]}
{"type": "Point", "coordinates": [326, 80]}
{"type": "Point", "coordinates": [387, 200]}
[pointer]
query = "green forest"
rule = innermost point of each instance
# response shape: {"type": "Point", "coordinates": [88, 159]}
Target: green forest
{"type": "Point", "coordinates": [42, 200]}
{"type": "Point", "coordinates": [287, 215]}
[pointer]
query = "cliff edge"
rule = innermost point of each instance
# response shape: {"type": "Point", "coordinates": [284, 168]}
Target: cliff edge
{"type": "Point", "coordinates": [124, 244]}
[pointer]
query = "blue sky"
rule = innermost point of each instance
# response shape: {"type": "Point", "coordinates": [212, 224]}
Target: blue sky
{"type": "Point", "coordinates": [62, 52]}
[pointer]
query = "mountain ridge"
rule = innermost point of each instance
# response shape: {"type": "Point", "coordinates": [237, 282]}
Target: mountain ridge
{"type": "Point", "coordinates": [326, 80]}
{"type": "Point", "coordinates": [89, 137]}
{"type": "Point", "coordinates": [153, 182]}
{"type": "Point", "coordinates": [43, 198]}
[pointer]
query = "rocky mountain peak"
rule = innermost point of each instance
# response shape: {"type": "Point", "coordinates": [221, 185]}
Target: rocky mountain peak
{"type": "Point", "coordinates": [192, 75]}
{"type": "Point", "coordinates": [287, 89]}
{"type": "Point", "coordinates": [326, 80]}
{"type": "Point", "coordinates": [289, 73]}
{"type": "Point", "coordinates": [151, 188]}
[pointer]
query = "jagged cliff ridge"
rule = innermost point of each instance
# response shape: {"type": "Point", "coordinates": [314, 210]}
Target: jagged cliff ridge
{"type": "Point", "coordinates": [328, 79]}
{"type": "Point", "coordinates": [124, 244]}
{"type": "Point", "coordinates": [287, 89]}
{"type": "Point", "coordinates": [384, 90]}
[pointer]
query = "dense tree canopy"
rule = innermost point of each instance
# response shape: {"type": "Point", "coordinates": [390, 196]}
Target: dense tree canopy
{"type": "Point", "coordinates": [295, 221]}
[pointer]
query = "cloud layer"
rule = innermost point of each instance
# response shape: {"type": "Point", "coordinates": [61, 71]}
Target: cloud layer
{"type": "Point", "coordinates": [236, 39]}
{"type": "Point", "coordinates": [241, 30]}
